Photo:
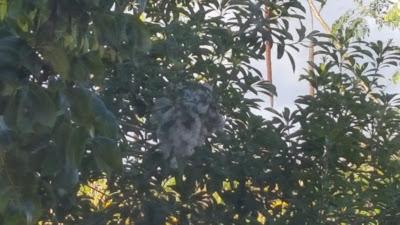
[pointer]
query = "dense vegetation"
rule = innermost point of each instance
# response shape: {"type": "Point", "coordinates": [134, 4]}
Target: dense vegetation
{"type": "Point", "coordinates": [84, 85]}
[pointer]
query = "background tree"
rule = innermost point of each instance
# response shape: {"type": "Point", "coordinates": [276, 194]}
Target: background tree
{"type": "Point", "coordinates": [58, 132]}
{"type": "Point", "coordinates": [66, 64]}
{"type": "Point", "coordinates": [385, 12]}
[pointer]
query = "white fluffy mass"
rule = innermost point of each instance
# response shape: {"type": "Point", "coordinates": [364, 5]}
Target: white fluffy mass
{"type": "Point", "coordinates": [184, 123]}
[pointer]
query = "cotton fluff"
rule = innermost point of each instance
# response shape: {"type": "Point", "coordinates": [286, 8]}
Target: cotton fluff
{"type": "Point", "coordinates": [185, 122]}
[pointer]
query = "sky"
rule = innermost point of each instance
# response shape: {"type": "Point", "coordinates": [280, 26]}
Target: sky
{"type": "Point", "coordinates": [287, 83]}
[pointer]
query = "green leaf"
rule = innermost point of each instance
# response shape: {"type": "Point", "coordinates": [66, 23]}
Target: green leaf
{"type": "Point", "coordinates": [3, 9]}
{"type": "Point", "coordinates": [25, 112]}
{"type": "Point", "coordinates": [58, 58]}
{"type": "Point", "coordinates": [95, 66]}
{"type": "Point", "coordinates": [104, 122]}
{"type": "Point", "coordinates": [66, 180]}
{"type": "Point", "coordinates": [281, 50]}
{"type": "Point", "coordinates": [266, 87]}
{"type": "Point", "coordinates": [80, 100]}
{"type": "Point", "coordinates": [90, 110]}
{"type": "Point", "coordinates": [14, 218]}
{"type": "Point", "coordinates": [76, 146]}
{"type": "Point", "coordinates": [28, 108]}
{"type": "Point", "coordinates": [70, 142]}
{"type": "Point", "coordinates": [52, 159]}
{"type": "Point", "coordinates": [9, 46]}
{"type": "Point", "coordinates": [15, 210]}
{"type": "Point", "coordinates": [90, 63]}
{"type": "Point", "coordinates": [107, 29]}
{"type": "Point", "coordinates": [79, 71]}
{"type": "Point", "coordinates": [301, 32]}
{"type": "Point", "coordinates": [107, 154]}
{"type": "Point", "coordinates": [5, 197]}
{"type": "Point", "coordinates": [44, 108]}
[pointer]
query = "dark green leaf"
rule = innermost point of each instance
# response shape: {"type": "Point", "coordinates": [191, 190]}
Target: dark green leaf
{"type": "Point", "coordinates": [58, 58]}
{"type": "Point", "coordinates": [281, 50]}
{"type": "Point", "coordinates": [107, 155]}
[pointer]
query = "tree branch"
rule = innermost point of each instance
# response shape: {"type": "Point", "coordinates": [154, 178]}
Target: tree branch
{"type": "Point", "coordinates": [318, 16]}
{"type": "Point", "coordinates": [268, 61]}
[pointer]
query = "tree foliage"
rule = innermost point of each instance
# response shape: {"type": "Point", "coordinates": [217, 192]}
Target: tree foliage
{"type": "Point", "coordinates": [79, 83]}
{"type": "Point", "coordinates": [385, 12]}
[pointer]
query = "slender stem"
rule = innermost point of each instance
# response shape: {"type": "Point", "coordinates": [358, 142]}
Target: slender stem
{"type": "Point", "coordinates": [311, 90]}
{"type": "Point", "coordinates": [318, 16]}
{"type": "Point", "coordinates": [268, 48]}
{"type": "Point", "coordinates": [268, 61]}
